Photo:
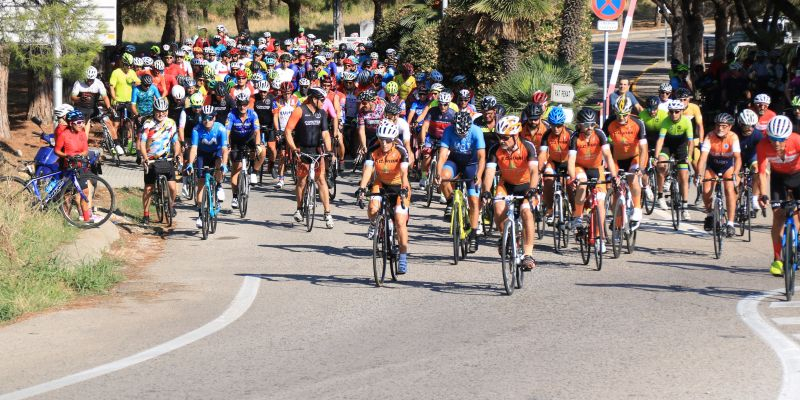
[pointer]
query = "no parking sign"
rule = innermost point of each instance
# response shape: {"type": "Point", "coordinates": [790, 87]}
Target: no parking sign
{"type": "Point", "coordinates": [608, 9]}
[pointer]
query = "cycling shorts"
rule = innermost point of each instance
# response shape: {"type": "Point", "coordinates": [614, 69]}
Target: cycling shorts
{"type": "Point", "coordinates": [629, 165]}
{"type": "Point", "coordinates": [678, 149]}
{"type": "Point", "coordinates": [207, 160]}
{"type": "Point", "coordinates": [467, 171]}
{"type": "Point", "coordinates": [392, 193]}
{"type": "Point", "coordinates": [780, 185]}
{"type": "Point", "coordinates": [505, 189]}
{"type": "Point", "coordinates": [241, 149]}
{"type": "Point", "coordinates": [122, 109]}
{"type": "Point", "coordinates": [157, 168]}
{"type": "Point", "coordinates": [592, 173]}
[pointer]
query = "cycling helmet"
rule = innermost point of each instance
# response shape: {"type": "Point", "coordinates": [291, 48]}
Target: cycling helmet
{"type": "Point", "coordinates": [387, 130]}
{"type": "Point", "coordinates": [189, 82]}
{"type": "Point", "coordinates": [262, 86]}
{"type": "Point", "coordinates": [652, 103]}
{"type": "Point", "coordinates": [748, 117]}
{"type": "Point", "coordinates": [556, 116]}
{"type": "Point", "coordinates": [587, 116]}
{"type": "Point", "coordinates": [147, 61]}
{"type": "Point", "coordinates": [315, 62]}
{"type": "Point", "coordinates": [509, 126]}
{"type": "Point", "coordinates": [367, 95]}
{"type": "Point", "coordinates": [363, 77]}
{"type": "Point", "coordinates": [196, 100]}
{"type": "Point", "coordinates": [779, 128]}
{"type": "Point", "coordinates": [391, 88]}
{"type": "Point", "coordinates": [234, 51]}
{"type": "Point", "coordinates": [220, 28]}
{"type": "Point", "coordinates": [328, 55]}
{"type": "Point", "coordinates": [762, 98]}
{"type": "Point", "coordinates": [287, 42]}
{"type": "Point", "coordinates": [178, 92]}
{"type": "Point", "coordinates": [270, 61]}
{"type": "Point", "coordinates": [462, 123]}
{"type": "Point", "coordinates": [256, 78]}
{"type": "Point", "coordinates": [683, 93]}
{"type": "Point", "coordinates": [347, 61]}
{"type": "Point", "coordinates": [62, 110]}
{"type": "Point", "coordinates": [796, 101]}
{"type": "Point", "coordinates": [373, 55]}
{"type": "Point", "coordinates": [209, 51]}
{"type": "Point", "coordinates": [464, 94]}
{"type": "Point", "coordinates": [276, 84]}
{"type": "Point", "coordinates": [436, 76]}
{"type": "Point", "coordinates": [682, 68]}
{"type": "Point", "coordinates": [675, 105]}
{"type": "Point", "coordinates": [242, 98]}
{"type": "Point", "coordinates": [74, 116]}
{"type": "Point", "coordinates": [147, 80]}
{"type": "Point", "coordinates": [392, 108]}
{"type": "Point", "coordinates": [158, 65]}
{"type": "Point", "coordinates": [326, 79]}
{"type": "Point", "coordinates": [445, 98]}
{"type": "Point", "coordinates": [348, 76]}
{"type": "Point", "coordinates": [665, 87]}
{"type": "Point", "coordinates": [533, 111]}
{"type": "Point", "coordinates": [488, 103]}
{"type": "Point", "coordinates": [91, 73]}
{"type": "Point", "coordinates": [138, 62]}
{"type": "Point", "coordinates": [130, 49]}
{"type": "Point", "coordinates": [221, 90]}
{"type": "Point", "coordinates": [304, 82]}
{"type": "Point", "coordinates": [317, 92]}
{"type": "Point", "coordinates": [197, 61]}
{"type": "Point", "coordinates": [459, 79]}
{"type": "Point", "coordinates": [161, 104]}
{"type": "Point", "coordinates": [623, 106]}
{"type": "Point", "coordinates": [420, 77]}
{"type": "Point", "coordinates": [287, 87]}
{"type": "Point", "coordinates": [212, 84]}
{"type": "Point", "coordinates": [241, 74]}
{"type": "Point", "coordinates": [724, 118]}
{"type": "Point", "coordinates": [127, 59]}
{"type": "Point", "coordinates": [501, 110]}
{"type": "Point", "coordinates": [437, 87]}
{"type": "Point", "coordinates": [539, 97]}
{"type": "Point", "coordinates": [272, 75]}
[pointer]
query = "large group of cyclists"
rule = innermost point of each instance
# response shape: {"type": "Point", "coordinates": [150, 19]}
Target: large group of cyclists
{"type": "Point", "coordinates": [238, 108]}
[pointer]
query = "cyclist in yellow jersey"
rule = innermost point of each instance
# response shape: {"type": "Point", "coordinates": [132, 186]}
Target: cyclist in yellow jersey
{"type": "Point", "coordinates": [121, 84]}
{"type": "Point", "coordinates": [692, 112]}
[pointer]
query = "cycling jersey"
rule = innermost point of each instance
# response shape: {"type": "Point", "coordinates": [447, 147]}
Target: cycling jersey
{"type": "Point", "coordinates": [626, 139]}
{"type": "Point", "coordinates": [404, 133]}
{"type": "Point", "coordinates": [748, 145]}
{"type": "Point", "coordinates": [400, 103]}
{"type": "Point", "coordinates": [242, 130]}
{"type": "Point", "coordinates": [284, 109]}
{"type": "Point", "coordinates": [177, 114]}
{"type": "Point", "coordinates": [144, 99]}
{"type": "Point", "coordinates": [210, 141]}
{"type": "Point", "coordinates": [435, 104]}
{"type": "Point", "coordinates": [588, 151]}
{"type": "Point", "coordinates": [653, 123]}
{"type": "Point", "coordinates": [307, 127]}
{"type": "Point", "coordinates": [263, 109]}
{"type": "Point", "coordinates": [556, 144]}
{"type": "Point", "coordinates": [463, 150]}
{"type": "Point", "coordinates": [371, 120]}
{"type": "Point", "coordinates": [417, 107]}
{"type": "Point", "coordinates": [405, 85]}
{"type": "Point", "coordinates": [536, 135]}
{"type": "Point", "coordinates": [721, 151]}
{"type": "Point", "coordinates": [692, 112]}
{"type": "Point", "coordinates": [351, 105]}
{"type": "Point", "coordinates": [438, 121]}
{"type": "Point", "coordinates": [388, 166]}
{"type": "Point", "coordinates": [787, 164]}
{"type": "Point", "coordinates": [222, 108]}
{"type": "Point", "coordinates": [489, 135]}
{"type": "Point", "coordinates": [122, 83]}
{"type": "Point", "coordinates": [88, 94]}
{"type": "Point", "coordinates": [677, 129]}
{"type": "Point", "coordinates": [514, 166]}
{"type": "Point", "coordinates": [763, 120]}
{"type": "Point", "coordinates": [159, 136]}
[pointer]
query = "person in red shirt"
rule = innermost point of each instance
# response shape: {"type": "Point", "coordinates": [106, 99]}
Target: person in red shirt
{"type": "Point", "coordinates": [162, 82]}
{"type": "Point", "coordinates": [73, 142]}
{"type": "Point", "coordinates": [761, 107]}
{"type": "Point", "coordinates": [173, 68]}
{"type": "Point", "coordinates": [780, 151]}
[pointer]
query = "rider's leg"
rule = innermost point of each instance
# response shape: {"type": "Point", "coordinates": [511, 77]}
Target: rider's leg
{"type": "Point", "coordinates": [528, 227]}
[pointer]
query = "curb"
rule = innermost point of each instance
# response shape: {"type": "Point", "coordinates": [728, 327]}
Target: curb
{"type": "Point", "coordinates": [89, 246]}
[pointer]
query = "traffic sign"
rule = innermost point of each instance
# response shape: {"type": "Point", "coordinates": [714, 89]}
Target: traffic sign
{"type": "Point", "coordinates": [604, 25]}
{"type": "Point", "coordinates": [561, 93]}
{"type": "Point", "coordinates": [608, 9]}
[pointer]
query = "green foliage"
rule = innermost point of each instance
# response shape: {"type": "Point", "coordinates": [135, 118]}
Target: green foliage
{"type": "Point", "coordinates": [538, 73]}
{"type": "Point", "coordinates": [36, 28]}
{"type": "Point", "coordinates": [415, 41]}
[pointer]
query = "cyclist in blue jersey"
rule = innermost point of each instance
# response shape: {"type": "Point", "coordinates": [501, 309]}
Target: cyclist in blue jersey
{"type": "Point", "coordinates": [209, 148]}
{"type": "Point", "coordinates": [143, 97]}
{"type": "Point", "coordinates": [465, 151]}
{"type": "Point", "coordinates": [749, 137]}
{"type": "Point", "coordinates": [245, 136]}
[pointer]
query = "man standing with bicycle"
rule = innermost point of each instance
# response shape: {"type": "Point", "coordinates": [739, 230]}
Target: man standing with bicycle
{"type": "Point", "coordinates": [84, 96]}
{"type": "Point", "coordinates": [780, 151]}
{"type": "Point", "coordinates": [723, 155]}
{"type": "Point", "coordinates": [159, 142]}
{"type": "Point", "coordinates": [306, 129]}
{"type": "Point", "coordinates": [120, 85]}
{"type": "Point", "coordinates": [389, 162]}
{"type": "Point", "coordinates": [518, 165]}
{"type": "Point", "coordinates": [244, 136]}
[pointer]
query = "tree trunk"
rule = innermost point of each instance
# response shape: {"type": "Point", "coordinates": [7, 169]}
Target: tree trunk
{"type": "Point", "coordinates": [694, 11]}
{"type": "Point", "coordinates": [205, 14]}
{"type": "Point", "coordinates": [183, 21]}
{"type": "Point", "coordinates": [240, 11]}
{"type": "Point", "coordinates": [170, 22]}
{"type": "Point", "coordinates": [273, 6]}
{"type": "Point", "coordinates": [378, 14]}
{"type": "Point", "coordinates": [678, 26]}
{"type": "Point", "coordinates": [294, 16]}
{"type": "Point", "coordinates": [722, 17]}
{"type": "Point", "coordinates": [120, 26]}
{"type": "Point", "coordinates": [338, 22]}
{"type": "Point", "coordinates": [572, 16]}
{"type": "Point", "coordinates": [511, 52]}
{"type": "Point", "coordinates": [41, 99]}
{"type": "Point", "coordinates": [5, 126]}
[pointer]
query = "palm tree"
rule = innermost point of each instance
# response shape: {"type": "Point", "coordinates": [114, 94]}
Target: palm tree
{"type": "Point", "coordinates": [509, 22]}
{"type": "Point", "coordinates": [573, 16]}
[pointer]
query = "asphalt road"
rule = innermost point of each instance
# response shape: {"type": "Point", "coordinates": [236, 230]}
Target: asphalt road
{"type": "Point", "coordinates": [264, 309]}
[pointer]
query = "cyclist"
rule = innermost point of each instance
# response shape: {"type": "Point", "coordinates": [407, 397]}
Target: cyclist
{"type": "Point", "coordinates": [209, 149]}
{"type": "Point", "coordinates": [588, 148]}
{"type": "Point", "coordinates": [302, 89]}
{"type": "Point", "coordinates": [73, 142]}
{"type": "Point", "coordinates": [463, 153]}
{"type": "Point", "coordinates": [282, 110]}
{"type": "Point", "coordinates": [722, 154]}
{"type": "Point", "coordinates": [406, 81]}
{"type": "Point", "coordinates": [628, 139]}
{"type": "Point", "coordinates": [158, 141]}
{"type": "Point", "coordinates": [338, 101]}
{"type": "Point", "coordinates": [263, 109]}
{"type": "Point", "coordinates": [120, 87]}
{"type": "Point", "coordinates": [370, 115]}
{"type": "Point", "coordinates": [487, 121]}
{"type": "Point", "coordinates": [403, 132]}
{"type": "Point", "coordinates": [387, 161]}
{"type": "Point", "coordinates": [533, 128]}
{"type": "Point", "coordinates": [517, 177]}
{"type": "Point", "coordinates": [652, 117]}
{"type": "Point", "coordinates": [464, 97]}
{"type": "Point", "coordinates": [664, 95]}
{"type": "Point", "coordinates": [60, 113]}
{"type": "Point", "coordinates": [780, 151]}
{"type": "Point", "coordinates": [85, 95]}
{"type": "Point", "coordinates": [749, 137]}
{"type": "Point", "coordinates": [306, 129]}
{"type": "Point", "coordinates": [244, 137]}
{"type": "Point", "coordinates": [675, 138]}
{"type": "Point", "coordinates": [692, 111]}
{"type": "Point", "coordinates": [143, 97]}
{"type": "Point", "coordinates": [761, 106]}
{"type": "Point", "coordinates": [436, 121]}
{"type": "Point", "coordinates": [221, 101]}
{"type": "Point", "coordinates": [553, 155]}
{"type": "Point", "coordinates": [392, 97]}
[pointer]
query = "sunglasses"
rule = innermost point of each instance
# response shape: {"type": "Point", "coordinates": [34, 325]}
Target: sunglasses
{"type": "Point", "coordinates": [385, 140]}
{"type": "Point", "coordinates": [504, 137]}
{"type": "Point", "coordinates": [675, 112]}
{"type": "Point", "coordinates": [207, 118]}
{"type": "Point", "coordinates": [585, 125]}
{"type": "Point", "coordinates": [78, 122]}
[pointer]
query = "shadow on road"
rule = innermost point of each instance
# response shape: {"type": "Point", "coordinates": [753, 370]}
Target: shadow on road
{"type": "Point", "coordinates": [711, 291]}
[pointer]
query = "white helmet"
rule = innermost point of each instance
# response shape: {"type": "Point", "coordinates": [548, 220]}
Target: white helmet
{"type": "Point", "coordinates": [267, 34]}
{"type": "Point", "coordinates": [665, 87]}
{"type": "Point", "coordinates": [779, 128]}
{"type": "Point", "coordinates": [509, 126]}
{"type": "Point", "coordinates": [220, 28]}
{"type": "Point", "coordinates": [262, 86]}
{"type": "Point", "coordinates": [445, 98]}
{"type": "Point", "coordinates": [91, 73]}
{"type": "Point", "coordinates": [159, 65]}
{"type": "Point", "coordinates": [178, 92]}
{"type": "Point", "coordinates": [762, 98]}
{"type": "Point", "coordinates": [304, 82]}
{"type": "Point", "coordinates": [387, 130]}
{"type": "Point", "coordinates": [748, 117]}
{"type": "Point", "coordinates": [161, 104]}
{"type": "Point", "coordinates": [147, 61]}
{"type": "Point", "coordinates": [276, 84]}
{"type": "Point", "coordinates": [674, 105]}
{"type": "Point", "coordinates": [437, 87]}
{"type": "Point", "coordinates": [62, 110]}
{"type": "Point", "coordinates": [138, 62]}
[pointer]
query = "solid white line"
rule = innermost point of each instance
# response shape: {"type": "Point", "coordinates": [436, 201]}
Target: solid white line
{"type": "Point", "coordinates": [784, 304]}
{"type": "Point", "coordinates": [787, 320]}
{"type": "Point", "coordinates": [786, 349]}
{"type": "Point", "coordinates": [240, 304]}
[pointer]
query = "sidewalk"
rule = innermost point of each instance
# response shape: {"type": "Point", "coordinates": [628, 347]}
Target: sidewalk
{"type": "Point", "coordinates": [128, 174]}
{"type": "Point", "coordinates": [646, 84]}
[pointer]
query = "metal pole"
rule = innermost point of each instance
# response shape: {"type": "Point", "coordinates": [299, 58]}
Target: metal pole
{"type": "Point", "coordinates": [336, 19]}
{"type": "Point", "coordinates": [57, 83]}
{"type": "Point", "coordinates": [665, 40]}
{"type": "Point", "coordinates": [605, 76]}
{"type": "Point", "coordinates": [444, 6]}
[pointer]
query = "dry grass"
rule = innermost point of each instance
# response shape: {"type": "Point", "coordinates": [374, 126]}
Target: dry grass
{"type": "Point", "coordinates": [316, 22]}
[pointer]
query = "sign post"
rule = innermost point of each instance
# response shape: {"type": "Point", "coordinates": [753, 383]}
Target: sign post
{"type": "Point", "coordinates": [606, 10]}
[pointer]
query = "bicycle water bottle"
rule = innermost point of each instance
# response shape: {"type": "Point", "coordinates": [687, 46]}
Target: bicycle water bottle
{"type": "Point", "coordinates": [50, 186]}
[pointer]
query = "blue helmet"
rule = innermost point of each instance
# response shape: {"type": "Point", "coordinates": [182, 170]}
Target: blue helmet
{"type": "Point", "coordinates": [556, 116]}
{"type": "Point", "coordinates": [436, 76]}
{"type": "Point", "coordinates": [363, 77]}
{"type": "Point", "coordinates": [74, 115]}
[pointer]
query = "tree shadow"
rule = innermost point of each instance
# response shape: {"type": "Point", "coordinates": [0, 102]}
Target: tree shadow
{"type": "Point", "coordinates": [711, 291]}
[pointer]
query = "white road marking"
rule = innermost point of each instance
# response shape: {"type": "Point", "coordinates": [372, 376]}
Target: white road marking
{"type": "Point", "coordinates": [786, 349]}
{"type": "Point", "coordinates": [240, 304]}
{"type": "Point", "coordinates": [787, 320]}
{"type": "Point", "coordinates": [784, 304]}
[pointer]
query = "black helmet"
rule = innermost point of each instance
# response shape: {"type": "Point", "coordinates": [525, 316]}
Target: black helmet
{"type": "Point", "coordinates": [367, 95]}
{"type": "Point", "coordinates": [501, 111]}
{"type": "Point", "coordinates": [724, 118]}
{"type": "Point", "coordinates": [392, 108]}
{"type": "Point", "coordinates": [488, 103]}
{"type": "Point", "coordinates": [587, 116]}
{"type": "Point", "coordinates": [652, 103]}
{"type": "Point", "coordinates": [683, 93]}
{"type": "Point", "coordinates": [147, 80]}
{"type": "Point", "coordinates": [462, 123]}
{"type": "Point", "coordinates": [532, 111]}
{"type": "Point", "coordinates": [221, 89]}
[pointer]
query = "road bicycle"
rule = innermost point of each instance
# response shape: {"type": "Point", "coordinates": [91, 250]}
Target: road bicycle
{"type": "Point", "coordinates": [161, 196]}
{"type": "Point", "coordinates": [332, 170]}
{"type": "Point", "coordinates": [310, 192]}
{"type": "Point", "coordinates": [562, 212]}
{"type": "Point", "coordinates": [789, 245]}
{"type": "Point", "coordinates": [127, 132]}
{"type": "Point", "coordinates": [430, 188]}
{"type": "Point", "coordinates": [671, 181]}
{"type": "Point", "coordinates": [744, 204]}
{"type": "Point", "coordinates": [719, 213]}
{"type": "Point", "coordinates": [511, 251]}
{"type": "Point", "coordinates": [539, 213]}
{"type": "Point", "coordinates": [385, 248]}
{"type": "Point", "coordinates": [590, 237]}
{"type": "Point", "coordinates": [243, 183]}
{"type": "Point", "coordinates": [62, 190]}
{"type": "Point", "coordinates": [460, 226]}
{"type": "Point", "coordinates": [487, 210]}
{"type": "Point", "coordinates": [209, 207]}
{"type": "Point", "coordinates": [621, 224]}
{"type": "Point", "coordinates": [189, 185]}
{"type": "Point", "coordinates": [109, 146]}
{"type": "Point", "coordinates": [648, 205]}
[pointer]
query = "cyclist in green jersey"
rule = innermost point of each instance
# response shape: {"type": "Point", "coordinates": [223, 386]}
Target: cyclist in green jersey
{"type": "Point", "coordinates": [675, 138]}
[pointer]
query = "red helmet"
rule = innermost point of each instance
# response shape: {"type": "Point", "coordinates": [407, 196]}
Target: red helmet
{"type": "Point", "coordinates": [241, 74]}
{"type": "Point", "coordinates": [234, 51]}
{"type": "Point", "coordinates": [539, 97]}
{"type": "Point", "coordinates": [287, 87]}
{"type": "Point", "coordinates": [347, 61]}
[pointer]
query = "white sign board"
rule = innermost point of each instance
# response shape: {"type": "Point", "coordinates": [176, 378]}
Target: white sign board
{"type": "Point", "coordinates": [603, 25]}
{"type": "Point", "coordinates": [561, 93]}
{"type": "Point", "coordinates": [104, 10]}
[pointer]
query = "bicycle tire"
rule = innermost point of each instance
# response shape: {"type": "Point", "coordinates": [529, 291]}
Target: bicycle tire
{"type": "Point", "coordinates": [213, 215]}
{"type": "Point", "coordinates": [540, 225]}
{"type": "Point", "coordinates": [332, 172]}
{"type": "Point", "coordinates": [455, 228]}
{"type": "Point", "coordinates": [311, 205]}
{"type": "Point", "coordinates": [166, 195]}
{"type": "Point", "coordinates": [630, 240]}
{"type": "Point", "coordinates": [745, 222]}
{"type": "Point", "coordinates": [393, 257]}
{"type": "Point", "coordinates": [507, 260]}
{"type": "Point", "coordinates": [101, 190]}
{"type": "Point", "coordinates": [378, 252]}
{"type": "Point", "coordinates": [465, 232]}
{"type": "Point", "coordinates": [157, 199]}
{"type": "Point", "coordinates": [617, 229]}
{"type": "Point", "coordinates": [598, 242]}
{"type": "Point", "coordinates": [519, 277]}
{"type": "Point", "coordinates": [675, 204]}
{"type": "Point", "coordinates": [557, 222]}
{"type": "Point", "coordinates": [789, 256]}
{"type": "Point", "coordinates": [487, 219]}
{"type": "Point", "coordinates": [242, 188]}
{"type": "Point", "coordinates": [566, 211]}
{"type": "Point", "coordinates": [717, 230]}
{"type": "Point", "coordinates": [205, 212]}
{"type": "Point", "coordinates": [650, 205]}
{"type": "Point", "coordinates": [18, 187]}
{"type": "Point", "coordinates": [429, 188]}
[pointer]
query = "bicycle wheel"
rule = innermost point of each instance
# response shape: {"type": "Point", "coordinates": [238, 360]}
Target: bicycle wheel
{"type": "Point", "coordinates": [466, 230]}
{"type": "Point", "coordinates": [379, 252]}
{"type": "Point", "coordinates": [190, 183]}
{"type": "Point", "coordinates": [15, 187]}
{"type": "Point", "coordinates": [520, 273]}
{"type": "Point", "coordinates": [213, 211]}
{"type": "Point", "coordinates": [242, 187]}
{"type": "Point", "coordinates": [507, 259]}
{"type": "Point", "coordinates": [157, 199]}
{"type": "Point", "coordinates": [598, 242]}
{"type": "Point", "coordinates": [455, 227]}
{"type": "Point", "coordinates": [744, 210]}
{"type": "Point", "coordinates": [165, 198]}
{"type": "Point", "coordinates": [539, 216]}
{"type": "Point", "coordinates": [557, 223]}
{"type": "Point", "coordinates": [394, 254]}
{"type": "Point", "coordinates": [789, 256]}
{"type": "Point", "coordinates": [566, 211]}
{"type": "Point", "coordinates": [487, 218]}
{"type": "Point", "coordinates": [311, 204]}
{"type": "Point", "coordinates": [331, 175]}
{"type": "Point", "coordinates": [649, 205]}
{"type": "Point", "coordinates": [675, 204]}
{"type": "Point", "coordinates": [630, 240]}
{"type": "Point", "coordinates": [617, 222]}
{"type": "Point", "coordinates": [717, 230]}
{"type": "Point", "coordinates": [98, 196]}
{"type": "Point", "coordinates": [205, 212]}
{"type": "Point", "coordinates": [429, 189]}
